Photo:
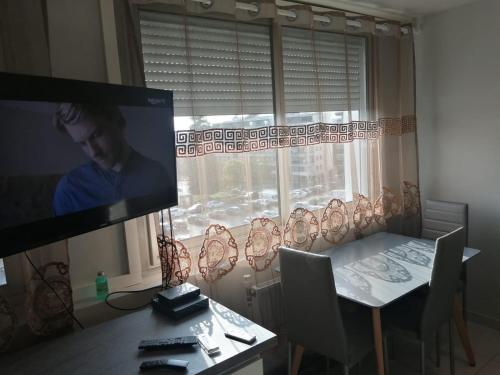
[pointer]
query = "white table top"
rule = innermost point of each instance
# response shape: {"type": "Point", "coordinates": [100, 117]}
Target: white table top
{"type": "Point", "coordinates": [383, 267]}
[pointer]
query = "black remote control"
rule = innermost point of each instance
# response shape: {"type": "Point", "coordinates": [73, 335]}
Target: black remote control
{"type": "Point", "coordinates": [173, 364]}
{"type": "Point", "coordinates": [168, 343]}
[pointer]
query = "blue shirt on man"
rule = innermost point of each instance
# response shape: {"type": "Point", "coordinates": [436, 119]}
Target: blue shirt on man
{"type": "Point", "coordinates": [89, 186]}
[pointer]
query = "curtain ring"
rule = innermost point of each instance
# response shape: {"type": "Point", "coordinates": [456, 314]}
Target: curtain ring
{"type": "Point", "coordinates": [326, 23]}
{"type": "Point", "coordinates": [207, 4]}
{"type": "Point", "coordinates": [385, 28]}
{"type": "Point", "coordinates": [292, 17]}
{"type": "Point", "coordinates": [253, 13]}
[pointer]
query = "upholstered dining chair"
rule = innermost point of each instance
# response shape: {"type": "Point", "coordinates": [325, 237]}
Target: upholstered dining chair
{"type": "Point", "coordinates": [439, 218]}
{"type": "Point", "coordinates": [312, 312]}
{"type": "Point", "coordinates": [420, 318]}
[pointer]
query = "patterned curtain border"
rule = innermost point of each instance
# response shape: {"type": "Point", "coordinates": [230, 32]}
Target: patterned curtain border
{"type": "Point", "coordinates": [340, 222]}
{"type": "Point", "coordinates": [192, 143]}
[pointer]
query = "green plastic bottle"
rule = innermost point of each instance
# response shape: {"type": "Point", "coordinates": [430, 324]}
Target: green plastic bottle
{"type": "Point", "coordinates": [101, 286]}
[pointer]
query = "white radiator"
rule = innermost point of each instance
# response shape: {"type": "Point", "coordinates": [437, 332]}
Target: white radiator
{"type": "Point", "coordinates": [267, 305]}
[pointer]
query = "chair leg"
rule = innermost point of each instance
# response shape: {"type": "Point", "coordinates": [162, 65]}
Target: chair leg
{"type": "Point", "coordinates": [462, 330]}
{"type": "Point", "coordinates": [452, 350]}
{"type": "Point", "coordinates": [297, 358]}
{"type": "Point", "coordinates": [346, 370]}
{"type": "Point", "coordinates": [422, 358]}
{"type": "Point", "coordinates": [438, 353]}
{"type": "Point", "coordinates": [386, 356]}
{"type": "Point", "coordinates": [464, 290]}
{"type": "Point", "coordinates": [289, 364]}
{"type": "Point", "coordinates": [327, 366]}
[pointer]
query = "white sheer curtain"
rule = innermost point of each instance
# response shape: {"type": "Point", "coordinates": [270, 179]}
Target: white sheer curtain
{"type": "Point", "coordinates": [339, 164]}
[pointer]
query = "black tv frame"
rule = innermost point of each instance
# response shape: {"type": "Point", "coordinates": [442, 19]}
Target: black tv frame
{"type": "Point", "coordinates": [36, 88]}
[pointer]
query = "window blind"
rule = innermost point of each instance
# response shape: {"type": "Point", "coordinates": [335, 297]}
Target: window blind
{"type": "Point", "coordinates": [308, 79]}
{"type": "Point", "coordinates": [221, 68]}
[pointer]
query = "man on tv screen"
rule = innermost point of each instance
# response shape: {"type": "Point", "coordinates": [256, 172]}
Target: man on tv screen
{"type": "Point", "coordinates": [115, 171]}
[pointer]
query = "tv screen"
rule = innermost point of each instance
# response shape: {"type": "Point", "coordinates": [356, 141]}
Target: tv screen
{"type": "Point", "coordinates": [77, 156]}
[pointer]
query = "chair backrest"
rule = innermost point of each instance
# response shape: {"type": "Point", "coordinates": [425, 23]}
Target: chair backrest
{"type": "Point", "coordinates": [312, 312]}
{"type": "Point", "coordinates": [444, 280]}
{"type": "Point", "coordinates": [440, 217]}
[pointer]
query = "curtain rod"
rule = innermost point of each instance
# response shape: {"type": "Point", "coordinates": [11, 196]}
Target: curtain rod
{"type": "Point", "coordinates": [402, 18]}
{"type": "Point", "coordinates": [251, 7]}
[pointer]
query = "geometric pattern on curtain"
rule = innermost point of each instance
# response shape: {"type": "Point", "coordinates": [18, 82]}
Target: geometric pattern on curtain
{"type": "Point", "coordinates": [191, 143]}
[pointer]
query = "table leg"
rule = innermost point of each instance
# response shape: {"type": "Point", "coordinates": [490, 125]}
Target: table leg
{"type": "Point", "coordinates": [462, 329]}
{"type": "Point", "coordinates": [377, 336]}
{"type": "Point", "coordinates": [297, 358]}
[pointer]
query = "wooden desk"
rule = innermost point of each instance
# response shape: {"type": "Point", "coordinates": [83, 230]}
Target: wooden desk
{"type": "Point", "coordinates": [111, 347]}
{"type": "Point", "coordinates": [379, 269]}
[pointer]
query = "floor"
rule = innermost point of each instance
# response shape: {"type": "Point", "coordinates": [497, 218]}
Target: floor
{"type": "Point", "coordinates": [485, 342]}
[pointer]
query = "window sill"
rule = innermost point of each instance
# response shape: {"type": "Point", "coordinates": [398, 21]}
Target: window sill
{"type": "Point", "coordinates": [150, 281]}
{"type": "Point", "coordinates": [91, 311]}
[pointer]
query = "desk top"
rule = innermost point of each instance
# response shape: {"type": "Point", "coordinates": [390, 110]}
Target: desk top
{"type": "Point", "coordinates": [383, 267]}
{"type": "Point", "coordinates": [111, 347]}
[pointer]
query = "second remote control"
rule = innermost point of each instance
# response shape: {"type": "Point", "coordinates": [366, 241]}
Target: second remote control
{"type": "Point", "coordinates": [173, 364]}
{"type": "Point", "coordinates": [168, 343]}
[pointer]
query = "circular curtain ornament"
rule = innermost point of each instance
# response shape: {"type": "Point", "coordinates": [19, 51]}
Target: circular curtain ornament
{"type": "Point", "coordinates": [219, 253]}
{"type": "Point", "coordinates": [386, 206]}
{"type": "Point", "coordinates": [262, 244]}
{"type": "Point", "coordinates": [301, 229]}
{"type": "Point", "coordinates": [175, 262]}
{"type": "Point", "coordinates": [335, 221]}
{"type": "Point", "coordinates": [46, 314]}
{"type": "Point", "coordinates": [8, 323]}
{"type": "Point", "coordinates": [363, 214]}
{"type": "Point", "coordinates": [411, 199]}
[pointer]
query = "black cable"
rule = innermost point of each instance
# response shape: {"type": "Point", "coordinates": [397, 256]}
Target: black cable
{"type": "Point", "coordinates": [129, 291]}
{"type": "Point", "coordinates": [53, 290]}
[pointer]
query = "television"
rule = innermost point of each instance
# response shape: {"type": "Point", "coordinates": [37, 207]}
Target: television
{"type": "Point", "coordinates": [76, 156]}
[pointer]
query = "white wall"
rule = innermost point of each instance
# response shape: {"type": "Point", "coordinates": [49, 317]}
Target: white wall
{"type": "Point", "coordinates": [458, 113]}
{"type": "Point", "coordinates": [75, 40]}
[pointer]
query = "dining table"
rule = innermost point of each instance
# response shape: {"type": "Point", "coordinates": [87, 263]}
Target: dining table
{"type": "Point", "coordinates": [379, 269]}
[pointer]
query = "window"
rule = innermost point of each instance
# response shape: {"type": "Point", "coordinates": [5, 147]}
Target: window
{"type": "Point", "coordinates": [320, 88]}
{"type": "Point", "coordinates": [221, 75]}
